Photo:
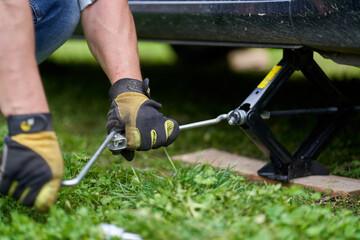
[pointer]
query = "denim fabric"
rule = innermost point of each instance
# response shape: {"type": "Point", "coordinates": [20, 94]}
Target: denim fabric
{"type": "Point", "coordinates": [55, 22]}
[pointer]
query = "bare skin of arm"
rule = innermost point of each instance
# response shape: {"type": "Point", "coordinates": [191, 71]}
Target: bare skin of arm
{"type": "Point", "coordinates": [110, 32]}
{"type": "Point", "coordinates": [21, 90]}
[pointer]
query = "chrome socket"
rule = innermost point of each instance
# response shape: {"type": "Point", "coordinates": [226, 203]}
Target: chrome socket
{"type": "Point", "coordinates": [118, 142]}
{"type": "Point", "coordinates": [236, 117]}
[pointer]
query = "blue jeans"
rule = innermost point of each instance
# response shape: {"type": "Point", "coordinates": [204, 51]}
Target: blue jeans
{"type": "Point", "coordinates": [55, 22]}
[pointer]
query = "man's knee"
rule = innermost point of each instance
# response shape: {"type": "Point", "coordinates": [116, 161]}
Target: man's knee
{"type": "Point", "coordinates": [55, 21]}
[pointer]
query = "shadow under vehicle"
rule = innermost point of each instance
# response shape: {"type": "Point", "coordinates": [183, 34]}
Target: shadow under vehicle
{"type": "Point", "coordinates": [300, 27]}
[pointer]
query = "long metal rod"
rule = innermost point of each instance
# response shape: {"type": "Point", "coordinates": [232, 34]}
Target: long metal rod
{"type": "Point", "coordinates": [265, 115]}
{"type": "Point", "coordinates": [88, 165]}
{"type": "Point", "coordinates": [203, 123]}
{"type": "Point", "coordinates": [311, 111]}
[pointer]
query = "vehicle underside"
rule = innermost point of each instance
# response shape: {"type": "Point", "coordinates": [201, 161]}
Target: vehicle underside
{"type": "Point", "coordinates": [331, 27]}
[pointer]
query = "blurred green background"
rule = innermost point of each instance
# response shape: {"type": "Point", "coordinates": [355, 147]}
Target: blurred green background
{"type": "Point", "coordinates": [193, 88]}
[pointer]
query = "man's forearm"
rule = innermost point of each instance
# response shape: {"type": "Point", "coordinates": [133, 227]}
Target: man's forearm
{"type": "Point", "coordinates": [21, 89]}
{"type": "Point", "coordinates": [110, 32]}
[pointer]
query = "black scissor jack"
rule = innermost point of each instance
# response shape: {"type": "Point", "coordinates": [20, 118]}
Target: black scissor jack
{"type": "Point", "coordinates": [285, 165]}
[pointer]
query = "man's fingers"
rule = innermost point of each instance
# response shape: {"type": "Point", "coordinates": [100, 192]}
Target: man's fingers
{"type": "Point", "coordinates": [172, 131]}
{"type": "Point", "coordinates": [163, 134]}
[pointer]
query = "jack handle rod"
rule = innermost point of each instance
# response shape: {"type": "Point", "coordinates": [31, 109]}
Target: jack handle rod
{"type": "Point", "coordinates": [313, 111]}
{"type": "Point", "coordinates": [203, 123]}
{"type": "Point", "coordinates": [89, 164]}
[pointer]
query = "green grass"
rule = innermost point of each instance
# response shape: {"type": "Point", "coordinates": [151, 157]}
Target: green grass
{"type": "Point", "coordinates": [195, 202]}
{"type": "Point", "coordinates": [161, 199]}
{"type": "Point", "coordinates": [77, 52]}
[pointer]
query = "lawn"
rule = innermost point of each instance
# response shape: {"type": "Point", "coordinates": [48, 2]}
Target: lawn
{"type": "Point", "coordinates": [158, 198]}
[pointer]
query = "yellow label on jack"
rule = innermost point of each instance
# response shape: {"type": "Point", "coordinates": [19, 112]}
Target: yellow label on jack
{"type": "Point", "coordinates": [269, 77]}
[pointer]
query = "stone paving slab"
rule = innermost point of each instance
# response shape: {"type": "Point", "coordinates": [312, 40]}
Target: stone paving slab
{"type": "Point", "coordinates": [336, 185]}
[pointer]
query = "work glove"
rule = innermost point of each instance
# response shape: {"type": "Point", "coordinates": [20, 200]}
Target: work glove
{"type": "Point", "coordinates": [136, 116]}
{"type": "Point", "coordinates": [32, 166]}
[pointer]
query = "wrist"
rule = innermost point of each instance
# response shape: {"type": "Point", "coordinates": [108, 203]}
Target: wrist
{"type": "Point", "coordinates": [29, 123]}
{"type": "Point", "coordinates": [129, 85]}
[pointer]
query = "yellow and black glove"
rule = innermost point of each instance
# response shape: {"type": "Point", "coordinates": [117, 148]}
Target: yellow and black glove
{"type": "Point", "coordinates": [32, 166]}
{"type": "Point", "coordinates": [132, 113]}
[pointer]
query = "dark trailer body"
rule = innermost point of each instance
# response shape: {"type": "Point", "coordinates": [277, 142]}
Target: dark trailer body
{"type": "Point", "coordinates": [331, 27]}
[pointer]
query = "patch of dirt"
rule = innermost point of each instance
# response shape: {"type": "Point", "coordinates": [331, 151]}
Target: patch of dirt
{"type": "Point", "coordinates": [249, 59]}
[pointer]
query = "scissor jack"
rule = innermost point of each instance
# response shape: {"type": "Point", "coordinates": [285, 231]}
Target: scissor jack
{"type": "Point", "coordinates": [250, 116]}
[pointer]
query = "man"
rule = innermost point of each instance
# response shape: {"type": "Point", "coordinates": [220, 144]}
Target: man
{"type": "Point", "coordinates": [32, 166]}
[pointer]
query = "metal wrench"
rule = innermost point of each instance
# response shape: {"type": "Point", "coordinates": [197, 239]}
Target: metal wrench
{"type": "Point", "coordinates": [119, 143]}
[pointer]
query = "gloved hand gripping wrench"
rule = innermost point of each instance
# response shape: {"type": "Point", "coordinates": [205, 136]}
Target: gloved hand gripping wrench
{"type": "Point", "coordinates": [116, 141]}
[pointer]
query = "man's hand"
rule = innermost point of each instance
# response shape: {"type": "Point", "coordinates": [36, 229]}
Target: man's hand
{"type": "Point", "coordinates": [132, 113]}
{"type": "Point", "coordinates": [32, 166]}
